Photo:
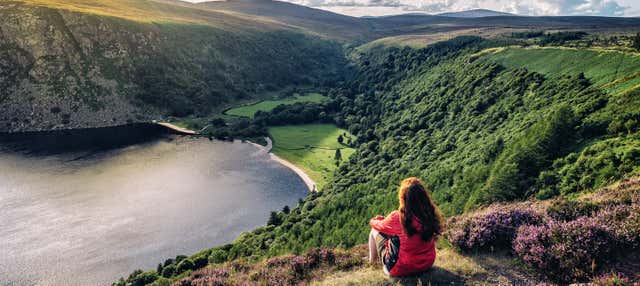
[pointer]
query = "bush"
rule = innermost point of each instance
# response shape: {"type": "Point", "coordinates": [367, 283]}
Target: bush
{"type": "Point", "coordinates": [624, 221]}
{"type": "Point", "coordinates": [143, 278]}
{"type": "Point", "coordinates": [318, 256]}
{"type": "Point", "coordinates": [547, 193]}
{"type": "Point", "coordinates": [611, 279]}
{"type": "Point", "coordinates": [565, 250]}
{"type": "Point", "coordinates": [200, 261]}
{"type": "Point", "coordinates": [168, 271]}
{"type": "Point", "coordinates": [207, 276]}
{"type": "Point", "coordinates": [492, 230]}
{"type": "Point", "coordinates": [185, 265]}
{"type": "Point", "coordinates": [217, 256]}
{"type": "Point", "coordinates": [564, 210]}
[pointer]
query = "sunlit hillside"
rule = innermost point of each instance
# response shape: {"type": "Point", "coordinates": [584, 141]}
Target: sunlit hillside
{"type": "Point", "coordinates": [159, 11]}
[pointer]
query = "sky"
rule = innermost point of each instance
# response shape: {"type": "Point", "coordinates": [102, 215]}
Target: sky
{"type": "Point", "coordinates": [628, 8]}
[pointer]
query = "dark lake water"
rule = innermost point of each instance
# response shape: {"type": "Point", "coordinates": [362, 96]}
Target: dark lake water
{"type": "Point", "coordinates": [87, 217]}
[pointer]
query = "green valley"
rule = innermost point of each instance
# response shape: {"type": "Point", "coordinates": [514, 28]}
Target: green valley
{"type": "Point", "coordinates": [313, 147]}
{"type": "Point", "coordinates": [524, 129]}
{"type": "Point", "coordinates": [478, 127]}
{"type": "Point", "coordinates": [268, 105]}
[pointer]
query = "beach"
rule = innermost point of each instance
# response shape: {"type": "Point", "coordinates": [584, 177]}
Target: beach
{"type": "Point", "coordinates": [311, 185]}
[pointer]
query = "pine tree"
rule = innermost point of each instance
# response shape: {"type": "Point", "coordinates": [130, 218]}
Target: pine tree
{"type": "Point", "coordinates": [274, 219]}
{"type": "Point", "coordinates": [636, 42]}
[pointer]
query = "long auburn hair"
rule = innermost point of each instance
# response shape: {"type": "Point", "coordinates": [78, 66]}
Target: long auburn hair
{"type": "Point", "coordinates": [416, 203]}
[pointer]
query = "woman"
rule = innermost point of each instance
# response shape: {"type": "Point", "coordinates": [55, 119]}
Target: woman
{"type": "Point", "coordinates": [404, 241]}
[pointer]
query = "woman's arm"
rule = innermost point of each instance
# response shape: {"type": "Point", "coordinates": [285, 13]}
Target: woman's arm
{"type": "Point", "coordinates": [389, 225]}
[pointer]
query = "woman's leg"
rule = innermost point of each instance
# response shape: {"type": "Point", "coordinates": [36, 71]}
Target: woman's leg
{"type": "Point", "coordinates": [373, 246]}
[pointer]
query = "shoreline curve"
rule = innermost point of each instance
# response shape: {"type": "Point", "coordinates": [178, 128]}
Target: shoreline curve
{"type": "Point", "coordinates": [311, 185]}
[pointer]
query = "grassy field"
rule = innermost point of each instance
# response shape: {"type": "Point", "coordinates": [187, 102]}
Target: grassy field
{"type": "Point", "coordinates": [422, 40]}
{"type": "Point", "coordinates": [617, 72]}
{"type": "Point", "coordinates": [310, 147]}
{"type": "Point", "coordinates": [268, 105]}
{"type": "Point", "coordinates": [158, 11]}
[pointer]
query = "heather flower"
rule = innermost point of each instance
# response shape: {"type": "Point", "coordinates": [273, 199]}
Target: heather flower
{"type": "Point", "coordinates": [490, 230]}
{"type": "Point", "coordinates": [317, 256]}
{"type": "Point", "coordinates": [207, 276]}
{"type": "Point", "coordinates": [624, 220]}
{"type": "Point", "coordinates": [611, 279]}
{"type": "Point", "coordinates": [566, 250]}
{"type": "Point", "coordinates": [298, 264]}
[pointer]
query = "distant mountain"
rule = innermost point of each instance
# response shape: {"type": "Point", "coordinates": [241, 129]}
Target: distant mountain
{"type": "Point", "coordinates": [475, 13]}
{"type": "Point", "coordinates": [298, 16]}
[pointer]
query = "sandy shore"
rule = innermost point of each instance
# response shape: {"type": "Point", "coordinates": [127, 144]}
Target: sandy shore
{"type": "Point", "coordinates": [177, 128]}
{"type": "Point", "coordinates": [311, 185]}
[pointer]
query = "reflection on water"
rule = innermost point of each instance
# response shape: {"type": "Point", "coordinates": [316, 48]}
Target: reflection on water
{"type": "Point", "coordinates": [87, 220]}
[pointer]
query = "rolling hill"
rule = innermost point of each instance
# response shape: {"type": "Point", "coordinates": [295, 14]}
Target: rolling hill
{"type": "Point", "coordinates": [71, 63]}
{"type": "Point", "coordinates": [475, 13]}
{"type": "Point", "coordinates": [315, 20]}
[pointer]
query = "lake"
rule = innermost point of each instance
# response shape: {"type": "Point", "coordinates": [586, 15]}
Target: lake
{"type": "Point", "coordinates": [89, 217]}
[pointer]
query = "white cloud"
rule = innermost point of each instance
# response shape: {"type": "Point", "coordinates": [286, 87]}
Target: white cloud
{"type": "Point", "coordinates": [523, 7]}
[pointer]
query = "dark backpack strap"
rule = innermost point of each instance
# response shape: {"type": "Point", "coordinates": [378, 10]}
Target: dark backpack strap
{"type": "Point", "coordinates": [391, 255]}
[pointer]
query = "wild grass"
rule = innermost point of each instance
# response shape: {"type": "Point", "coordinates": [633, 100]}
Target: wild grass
{"type": "Point", "coordinates": [422, 40]}
{"type": "Point", "coordinates": [616, 72]}
{"type": "Point", "coordinates": [312, 147]}
{"type": "Point", "coordinates": [268, 105]}
{"type": "Point", "coordinates": [451, 268]}
{"type": "Point", "coordinates": [158, 11]}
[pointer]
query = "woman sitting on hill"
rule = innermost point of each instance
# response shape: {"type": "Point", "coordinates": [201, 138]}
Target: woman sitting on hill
{"type": "Point", "coordinates": [404, 241]}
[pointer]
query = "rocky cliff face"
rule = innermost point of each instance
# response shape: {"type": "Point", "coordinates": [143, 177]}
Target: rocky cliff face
{"type": "Point", "coordinates": [66, 70]}
{"type": "Point", "coordinates": [61, 69]}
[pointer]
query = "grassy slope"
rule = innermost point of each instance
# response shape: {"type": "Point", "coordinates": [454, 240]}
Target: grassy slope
{"type": "Point", "coordinates": [452, 267]}
{"type": "Point", "coordinates": [447, 126]}
{"type": "Point", "coordinates": [351, 267]}
{"type": "Point", "coordinates": [617, 72]}
{"type": "Point", "coordinates": [422, 40]}
{"type": "Point", "coordinates": [148, 11]}
{"type": "Point", "coordinates": [268, 105]}
{"type": "Point", "coordinates": [311, 147]}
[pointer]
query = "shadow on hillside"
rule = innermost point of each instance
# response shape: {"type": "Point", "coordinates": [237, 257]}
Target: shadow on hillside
{"type": "Point", "coordinates": [435, 276]}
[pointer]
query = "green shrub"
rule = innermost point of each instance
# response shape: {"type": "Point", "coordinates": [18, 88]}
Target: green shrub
{"type": "Point", "coordinates": [565, 210]}
{"type": "Point", "coordinates": [185, 265]}
{"type": "Point", "coordinates": [217, 256]}
{"type": "Point", "coordinates": [200, 261]}
{"type": "Point", "coordinates": [168, 271]}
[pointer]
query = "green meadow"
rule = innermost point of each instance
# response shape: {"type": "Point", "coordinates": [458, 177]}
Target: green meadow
{"type": "Point", "coordinates": [615, 71]}
{"type": "Point", "coordinates": [312, 147]}
{"type": "Point", "coordinates": [268, 105]}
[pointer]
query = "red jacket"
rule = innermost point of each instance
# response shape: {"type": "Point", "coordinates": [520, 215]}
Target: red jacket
{"type": "Point", "coordinates": [415, 255]}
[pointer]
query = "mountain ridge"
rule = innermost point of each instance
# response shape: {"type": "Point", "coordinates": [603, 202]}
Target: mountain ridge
{"type": "Point", "coordinates": [475, 13]}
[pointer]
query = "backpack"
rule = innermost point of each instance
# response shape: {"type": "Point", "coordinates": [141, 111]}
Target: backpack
{"type": "Point", "coordinates": [391, 255]}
